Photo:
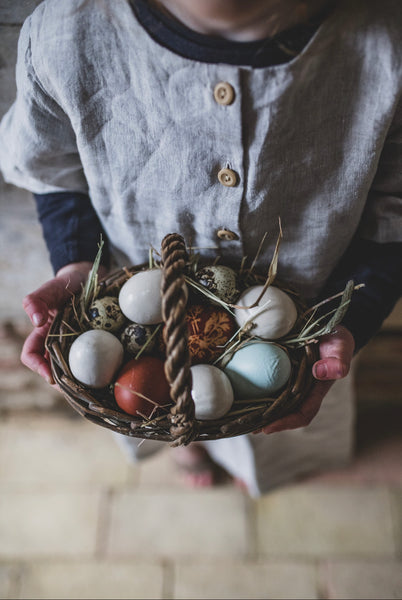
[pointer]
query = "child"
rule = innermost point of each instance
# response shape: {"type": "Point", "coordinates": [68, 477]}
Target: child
{"type": "Point", "coordinates": [211, 119]}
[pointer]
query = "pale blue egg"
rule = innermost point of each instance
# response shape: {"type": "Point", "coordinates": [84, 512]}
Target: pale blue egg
{"type": "Point", "coordinates": [258, 370]}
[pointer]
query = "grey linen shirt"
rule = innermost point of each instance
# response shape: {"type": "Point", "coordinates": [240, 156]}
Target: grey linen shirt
{"type": "Point", "coordinates": [102, 108]}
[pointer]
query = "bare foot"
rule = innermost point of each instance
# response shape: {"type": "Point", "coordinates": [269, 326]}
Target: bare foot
{"type": "Point", "coordinates": [240, 484]}
{"type": "Point", "coordinates": [196, 466]}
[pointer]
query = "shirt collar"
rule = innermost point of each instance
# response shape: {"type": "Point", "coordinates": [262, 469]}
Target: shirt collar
{"type": "Point", "coordinates": [178, 38]}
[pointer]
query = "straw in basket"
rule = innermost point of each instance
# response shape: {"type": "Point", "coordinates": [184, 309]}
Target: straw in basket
{"type": "Point", "coordinates": [177, 423]}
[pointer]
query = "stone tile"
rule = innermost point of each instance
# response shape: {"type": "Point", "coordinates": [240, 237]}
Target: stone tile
{"type": "Point", "coordinates": [378, 464]}
{"type": "Point", "coordinates": [369, 579]}
{"type": "Point", "coordinates": [162, 469]}
{"type": "Point", "coordinates": [38, 397]}
{"type": "Point", "coordinates": [16, 12]}
{"type": "Point", "coordinates": [9, 352]}
{"type": "Point", "coordinates": [181, 523]}
{"type": "Point", "coordinates": [8, 577]}
{"type": "Point", "coordinates": [319, 521]}
{"type": "Point", "coordinates": [20, 388]}
{"type": "Point", "coordinates": [15, 378]}
{"type": "Point", "coordinates": [159, 470]}
{"type": "Point", "coordinates": [92, 580]}
{"type": "Point", "coordinates": [396, 503]}
{"type": "Point", "coordinates": [53, 451]}
{"type": "Point", "coordinates": [245, 580]}
{"type": "Point", "coordinates": [48, 524]}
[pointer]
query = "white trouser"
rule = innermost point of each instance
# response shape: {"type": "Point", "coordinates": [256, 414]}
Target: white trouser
{"type": "Point", "coordinates": [267, 461]}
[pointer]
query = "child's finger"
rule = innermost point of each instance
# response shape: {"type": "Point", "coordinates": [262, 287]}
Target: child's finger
{"type": "Point", "coordinates": [36, 309]}
{"type": "Point", "coordinates": [331, 368]}
{"type": "Point", "coordinates": [51, 295]}
{"type": "Point", "coordinates": [33, 353]}
{"type": "Point", "coordinates": [340, 344]}
{"type": "Point", "coordinates": [336, 352]}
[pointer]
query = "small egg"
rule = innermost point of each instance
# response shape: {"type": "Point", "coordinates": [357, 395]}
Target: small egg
{"type": "Point", "coordinates": [258, 370]}
{"type": "Point", "coordinates": [220, 280]}
{"type": "Point", "coordinates": [140, 297]}
{"type": "Point", "coordinates": [272, 318]}
{"type": "Point", "coordinates": [135, 336]}
{"type": "Point", "coordinates": [141, 387]}
{"type": "Point", "coordinates": [104, 313]}
{"type": "Point", "coordinates": [211, 391]}
{"type": "Point", "coordinates": [209, 329]}
{"type": "Point", "coordinates": [94, 357]}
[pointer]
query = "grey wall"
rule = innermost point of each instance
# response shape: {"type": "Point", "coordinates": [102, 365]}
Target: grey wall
{"type": "Point", "coordinates": [24, 263]}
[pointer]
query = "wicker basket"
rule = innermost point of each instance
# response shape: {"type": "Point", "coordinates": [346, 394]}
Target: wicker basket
{"type": "Point", "coordinates": [178, 426]}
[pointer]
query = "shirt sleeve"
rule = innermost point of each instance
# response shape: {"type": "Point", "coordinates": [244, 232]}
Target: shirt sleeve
{"type": "Point", "coordinates": [71, 228]}
{"type": "Point", "coordinates": [382, 217]}
{"type": "Point", "coordinates": [374, 257]}
{"type": "Point", "coordinates": [38, 149]}
{"type": "Point", "coordinates": [379, 268]}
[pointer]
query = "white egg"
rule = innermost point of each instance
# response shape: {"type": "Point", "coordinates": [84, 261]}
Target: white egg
{"type": "Point", "coordinates": [140, 297]}
{"type": "Point", "coordinates": [272, 318]}
{"type": "Point", "coordinates": [94, 357]}
{"type": "Point", "coordinates": [211, 391]}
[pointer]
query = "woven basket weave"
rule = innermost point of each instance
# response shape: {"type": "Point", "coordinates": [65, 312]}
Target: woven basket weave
{"type": "Point", "coordinates": [178, 426]}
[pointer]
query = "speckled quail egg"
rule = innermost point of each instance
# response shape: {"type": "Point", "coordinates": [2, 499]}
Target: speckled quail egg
{"type": "Point", "coordinates": [104, 313]}
{"type": "Point", "coordinates": [135, 336]}
{"type": "Point", "coordinates": [220, 280]}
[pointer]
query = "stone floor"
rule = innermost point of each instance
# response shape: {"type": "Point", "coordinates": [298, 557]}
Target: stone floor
{"type": "Point", "coordinates": [77, 521]}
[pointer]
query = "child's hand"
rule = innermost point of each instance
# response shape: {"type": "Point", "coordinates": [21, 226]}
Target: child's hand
{"type": "Point", "coordinates": [41, 306]}
{"type": "Point", "coordinates": [336, 352]}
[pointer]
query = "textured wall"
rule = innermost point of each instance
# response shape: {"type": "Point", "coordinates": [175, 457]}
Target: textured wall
{"type": "Point", "coordinates": [24, 261]}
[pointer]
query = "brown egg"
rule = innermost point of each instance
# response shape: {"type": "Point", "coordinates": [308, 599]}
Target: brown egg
{"type": "Point", "coordinates": [141, 387]}
{"type": "Point", "coordinates": [209, 329]}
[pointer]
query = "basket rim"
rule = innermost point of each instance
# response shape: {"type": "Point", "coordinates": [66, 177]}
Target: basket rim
{"type": "Point", "coordinates": [85, 400]}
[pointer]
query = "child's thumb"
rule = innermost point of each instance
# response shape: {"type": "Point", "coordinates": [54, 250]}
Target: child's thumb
{"type": "Point", "coordinates": [51, 295]}
{"type": "Point", "coordinates": [336, 353]}
{"type": "Point", "coordinates": [330, 368]}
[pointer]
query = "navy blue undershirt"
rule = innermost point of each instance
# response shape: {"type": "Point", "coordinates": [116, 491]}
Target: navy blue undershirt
{"type": "Point", "coordinates": [379, 268]}
{"type": "Point", "coordinates": [172, 34]}
{"type": "Point", "coordinates": [72, 230]}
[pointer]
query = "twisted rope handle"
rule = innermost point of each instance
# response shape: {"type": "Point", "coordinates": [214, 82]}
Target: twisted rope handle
{"type": "Point", "coordinates": [177, 364]}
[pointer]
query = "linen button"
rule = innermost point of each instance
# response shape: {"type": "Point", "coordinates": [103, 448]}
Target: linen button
{"type": "Point", "coordinates": [227, 177]}
{"type": "Point", "coordinates": [224, 93]}
{"type": "Point", "coordinates": [227, 235]}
